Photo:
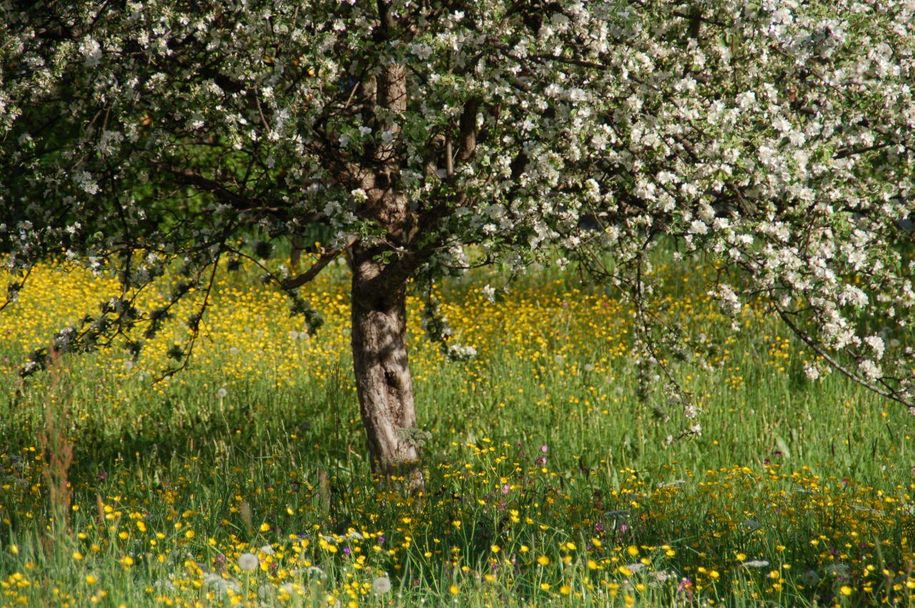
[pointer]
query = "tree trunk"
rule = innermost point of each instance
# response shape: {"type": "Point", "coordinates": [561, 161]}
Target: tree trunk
{"type": "Point", "coordinates": [383, 381]}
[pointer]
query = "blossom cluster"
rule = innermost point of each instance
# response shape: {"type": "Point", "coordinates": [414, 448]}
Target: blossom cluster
{"type": "Point", "coordinates": [776, 137]}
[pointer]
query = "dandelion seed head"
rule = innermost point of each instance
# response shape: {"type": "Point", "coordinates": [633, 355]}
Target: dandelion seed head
{"type": "Point", "coordinates": [381, 585]}
{"type": "Point", "coordinates": [248, 562]}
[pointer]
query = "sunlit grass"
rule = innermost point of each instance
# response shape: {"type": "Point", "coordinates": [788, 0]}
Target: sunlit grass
{"type": "Point", "coordinates": [244, 481]}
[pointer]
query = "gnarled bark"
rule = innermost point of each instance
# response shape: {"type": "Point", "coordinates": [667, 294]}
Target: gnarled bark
{"type": "Point", "coordinates": [380, 362]}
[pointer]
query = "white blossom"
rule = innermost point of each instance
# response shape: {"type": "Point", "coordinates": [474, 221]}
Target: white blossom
{"type": "Point", "coordinates": [877, 346]}
{"type": "Point", "coordinates": [489, 293]}
{"type": "Point", "coordinates": [869, 369]}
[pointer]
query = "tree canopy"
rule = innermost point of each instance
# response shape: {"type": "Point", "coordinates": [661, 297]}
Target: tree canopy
{"type": "Point", "coordinates": [776, 136]}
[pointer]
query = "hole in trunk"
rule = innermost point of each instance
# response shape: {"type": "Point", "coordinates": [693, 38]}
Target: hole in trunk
{"type": "Point", "coordinates": [391, 379]}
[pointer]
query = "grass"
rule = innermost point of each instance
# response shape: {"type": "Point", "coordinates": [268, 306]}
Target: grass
{"type": "Point", "coordinates": [550, 479]}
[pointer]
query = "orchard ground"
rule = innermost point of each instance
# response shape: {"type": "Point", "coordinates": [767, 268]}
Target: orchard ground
{"type": "Point", "coordinates": [551, 479]}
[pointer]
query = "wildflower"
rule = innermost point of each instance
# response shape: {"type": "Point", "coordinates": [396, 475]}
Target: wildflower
{"type": "Point", "coordinates": [543, 560]}
{"type": "Point", "coordinates": [381, 585]}
{"type": "Point", "coordinates": [685, 587]}
{"type": "Point", "coordinates": [845, 590]}
{"type": "Point", "coordinates": [454, 589]}
{"type": "Point", "coordinates": [248, 562]}
{"type": "Point", "coordinates": [91, 580]}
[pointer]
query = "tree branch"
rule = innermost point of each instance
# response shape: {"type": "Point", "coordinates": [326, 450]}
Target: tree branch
{"type": "Point", "coordinates": [188, 177]}
{"type": "Point", "coordinates": [326, 258]}
{"type": "Point", "coordinates": [812, 344]}
{"type": "Point", "coordinates": [468, 130]}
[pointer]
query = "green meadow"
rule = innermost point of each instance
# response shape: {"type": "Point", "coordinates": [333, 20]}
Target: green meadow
{"type": "Point", "coordinates": [558, 470]}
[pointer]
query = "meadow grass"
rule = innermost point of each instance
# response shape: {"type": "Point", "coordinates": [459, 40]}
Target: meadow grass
{"type": "Point", "coordinates": [550, 476]}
